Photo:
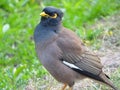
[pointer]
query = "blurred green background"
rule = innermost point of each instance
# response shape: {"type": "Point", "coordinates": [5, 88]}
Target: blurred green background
{"type": "Point", "coordinates": [18, 19]}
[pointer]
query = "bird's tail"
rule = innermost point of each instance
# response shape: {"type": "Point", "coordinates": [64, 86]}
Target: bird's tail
{"type": "Point", "coordinates": [106, 80]}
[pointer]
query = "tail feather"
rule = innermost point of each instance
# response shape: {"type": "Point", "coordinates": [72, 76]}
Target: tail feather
{"type": "Point", "coordinates": [106, 80]}
{"type": "Point", "coordinates": [103, 78]}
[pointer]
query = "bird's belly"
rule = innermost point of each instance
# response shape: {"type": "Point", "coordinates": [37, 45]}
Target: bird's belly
{"type": "Point", "coordinates": [63, 73]}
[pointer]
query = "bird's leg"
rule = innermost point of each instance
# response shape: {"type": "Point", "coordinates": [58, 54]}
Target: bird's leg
{"type": "Point", "coordinates": [63, 88]}
{"type": "Point", "coordinates": [70, 88]}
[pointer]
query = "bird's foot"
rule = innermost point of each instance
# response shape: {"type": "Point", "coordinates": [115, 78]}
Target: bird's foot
{"type": "Point", "coordinates": [63, 88]}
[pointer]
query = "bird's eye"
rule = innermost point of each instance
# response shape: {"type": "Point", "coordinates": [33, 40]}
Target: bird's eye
{"type": "Point", "coordinates": [54, 16]}
{"type": "Point", "coordinates": [43, 14]}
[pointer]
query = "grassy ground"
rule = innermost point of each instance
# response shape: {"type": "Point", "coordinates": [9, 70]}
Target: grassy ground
{"type": "Point", "coordinates": [18, 62]}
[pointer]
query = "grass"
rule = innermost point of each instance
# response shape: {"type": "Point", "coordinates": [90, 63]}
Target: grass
{"type": "Point", "coordinates": [18, 61]}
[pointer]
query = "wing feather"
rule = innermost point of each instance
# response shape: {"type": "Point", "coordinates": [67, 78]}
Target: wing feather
{"type": "Point", "coordinates": [76, 53]}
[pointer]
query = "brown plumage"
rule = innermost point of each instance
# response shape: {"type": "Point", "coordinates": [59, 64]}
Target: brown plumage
{"type": "Point", "coordinates": [63, 54]}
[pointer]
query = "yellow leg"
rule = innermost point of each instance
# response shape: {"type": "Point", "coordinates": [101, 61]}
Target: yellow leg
{"type": "Point", "coordinates": [63, 88]}
{"type": "Point", "coordinates": [70, 88]}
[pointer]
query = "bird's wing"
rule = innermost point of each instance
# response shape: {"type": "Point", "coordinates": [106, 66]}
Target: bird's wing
{"type": "Point", "coordinates": [76, 55]}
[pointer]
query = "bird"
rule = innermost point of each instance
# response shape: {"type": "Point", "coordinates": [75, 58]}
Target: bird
{"type": "Point", "coordinates": [63, 53]}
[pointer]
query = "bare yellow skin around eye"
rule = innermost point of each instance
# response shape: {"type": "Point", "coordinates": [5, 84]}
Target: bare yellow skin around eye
{"type": "Point", "coordinates": [55, 16]}
{"type": "Point", "coordinates": [43, 14]}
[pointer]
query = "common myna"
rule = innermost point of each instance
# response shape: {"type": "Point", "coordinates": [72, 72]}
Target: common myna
{"type": "Point", "coordinates": [62, 52]}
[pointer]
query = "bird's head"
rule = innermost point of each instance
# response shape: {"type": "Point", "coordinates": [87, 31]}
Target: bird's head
{"type": "Point", "coordinates": [51, 16]}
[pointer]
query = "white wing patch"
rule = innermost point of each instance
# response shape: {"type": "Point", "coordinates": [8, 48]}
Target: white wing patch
{"type": "Point", "coordinates": [71, 65]}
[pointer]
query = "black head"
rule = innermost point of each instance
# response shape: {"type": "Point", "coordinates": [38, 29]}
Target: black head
{"type": "Point", "coordinates": [51, 16]}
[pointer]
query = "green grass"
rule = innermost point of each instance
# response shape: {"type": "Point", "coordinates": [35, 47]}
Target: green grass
{"type": "Point", "coordinates": [18, 61]}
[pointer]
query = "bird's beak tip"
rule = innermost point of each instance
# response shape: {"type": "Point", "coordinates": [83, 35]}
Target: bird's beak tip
{"type": "Point", "coordinates": [43, 14]}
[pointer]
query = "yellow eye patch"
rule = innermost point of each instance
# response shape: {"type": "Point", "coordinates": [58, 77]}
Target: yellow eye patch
{"type": "Point", "coordinates": [43, 14]}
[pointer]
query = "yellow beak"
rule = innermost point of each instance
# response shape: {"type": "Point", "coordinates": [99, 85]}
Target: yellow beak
{"type": "Point", "coordinates": [44, 14]}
